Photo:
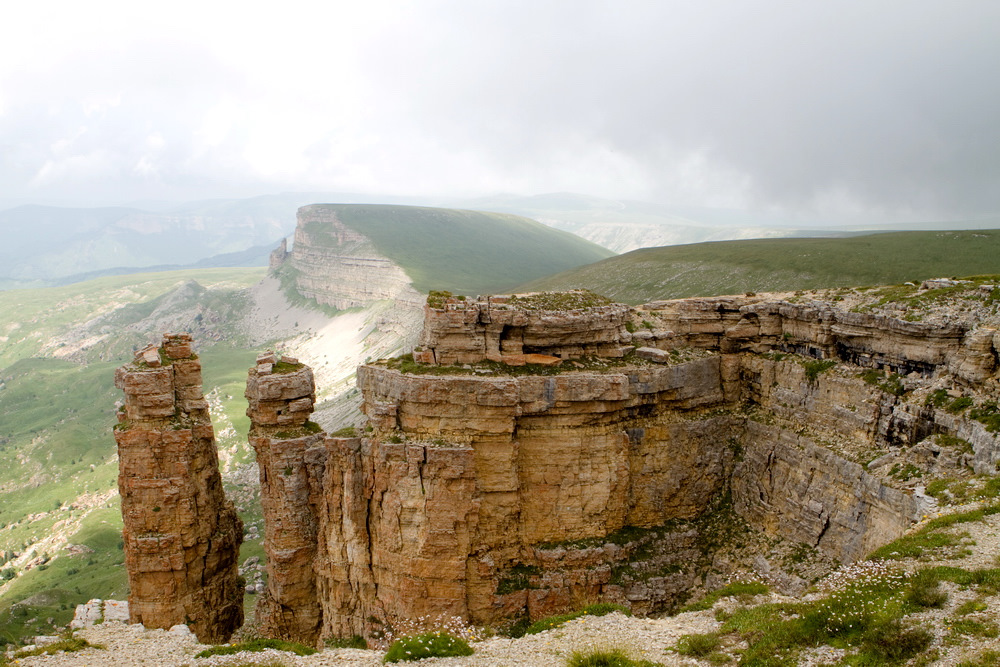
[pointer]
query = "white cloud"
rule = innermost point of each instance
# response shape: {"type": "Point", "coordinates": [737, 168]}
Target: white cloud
{"type": "Point", "coordinates": [853, 107]}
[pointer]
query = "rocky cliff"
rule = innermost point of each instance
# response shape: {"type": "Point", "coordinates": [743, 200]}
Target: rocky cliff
{"type": "Point", "coordinates": [339, 267]}
{"type": "Point", "coordinates": [181, 535]}
{"type": "Point", "coordinates": [625, 464]}
{"type": "Point", "coordinates": [540, 452]}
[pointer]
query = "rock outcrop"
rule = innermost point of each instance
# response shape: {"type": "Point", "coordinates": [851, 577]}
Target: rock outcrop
{"type": "Point", "coordinates": [541, 452]}
{"type": "Point", "coordinates": [291, 458]}
{"type": "Point", "coordinates": [338, 267]}
{"type": "Point", "coordinates": [506, 328]}
{"type": "Point", "coordinates": [490, 494]}
{"type": "Point", "coordinates": [181, 535]}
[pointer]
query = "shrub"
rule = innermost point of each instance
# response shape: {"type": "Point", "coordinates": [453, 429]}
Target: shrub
{"type": "Point", "coordinates": [428, 645]}
{"type": "Point", "coordinates": [814, 368]}
{"type": "Point", "coordinates": [925, 590]}
{"type": "Point", "coordinates": [698, 645]}
{"type": "Point", "coordinates": [605, 658]}
{"type": "Point", "coordinates": [893, 642]}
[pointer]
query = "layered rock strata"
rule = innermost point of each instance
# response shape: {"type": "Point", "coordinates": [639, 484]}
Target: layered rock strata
{"type": "Point", "coordinates": [181, 535]}
{"type": "Point", "coordinates": [291, 460]}
{"type": "Point", "coordinates": [339, 267]}
{"type": "Point", "coordinates": [491, 495]}
{"type": "Point", "coordinates": [505, 328]}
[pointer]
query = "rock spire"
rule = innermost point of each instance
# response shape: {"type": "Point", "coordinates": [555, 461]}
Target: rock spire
{"type": "Point", "coordinates": [181, 535]}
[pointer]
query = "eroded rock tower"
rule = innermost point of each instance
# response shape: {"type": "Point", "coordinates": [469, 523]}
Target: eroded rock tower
{"type": "Point", "coordinates": [181, 535]}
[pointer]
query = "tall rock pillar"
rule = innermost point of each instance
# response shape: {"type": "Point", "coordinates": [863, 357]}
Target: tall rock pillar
{"type": "Point", "coordinates": [291, 456]}
{"type": "Point", "coordinates": [181, 535]}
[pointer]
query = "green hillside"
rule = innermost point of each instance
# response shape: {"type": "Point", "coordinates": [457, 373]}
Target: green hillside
{"type": "Point", "coordinates": [60, 525]}
{"type": "Point", "coordinates": [764, 265]}
{"type": "Point", "coordinates": [466, 252]}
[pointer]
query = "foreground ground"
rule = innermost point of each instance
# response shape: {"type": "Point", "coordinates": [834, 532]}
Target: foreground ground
{"type": "Point", "coordinates": [961, 621]}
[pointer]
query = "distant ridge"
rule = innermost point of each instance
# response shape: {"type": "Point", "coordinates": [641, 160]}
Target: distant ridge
{"type": "Point", "coordinates": [770, 265]}
{"type": "Point", "coordinates": [466, 252]}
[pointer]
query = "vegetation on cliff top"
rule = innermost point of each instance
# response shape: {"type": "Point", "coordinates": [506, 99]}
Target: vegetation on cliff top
{"type": "Point", "coordinates": [771, 265]}
{"type": "Point", "coordinates": [466, 252]}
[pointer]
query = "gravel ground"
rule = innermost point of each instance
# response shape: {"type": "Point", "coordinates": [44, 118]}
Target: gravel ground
{"type": "Point", "coordinates": [131, 645]}
{"type": "Point", "coordinates": [645, 638]}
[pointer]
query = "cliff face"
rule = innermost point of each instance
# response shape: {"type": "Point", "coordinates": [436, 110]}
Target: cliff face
{"type": "Point", "coordinates": [491, 494]}
{"type": "Point", "coordinates": [339, 267]}
{"type": "Point", "coordinates": [537, 455]}
{"type": "Point", "coordinates": [181, 535]}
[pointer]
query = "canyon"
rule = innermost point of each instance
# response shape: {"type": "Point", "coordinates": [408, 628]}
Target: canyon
{"type": "Point", "coordinates": [540, 452]}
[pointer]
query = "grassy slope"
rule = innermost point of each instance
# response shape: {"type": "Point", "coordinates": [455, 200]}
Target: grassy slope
{"type": "Point", "coordinates": [467, 252]}
{"type": "Point", "coordinates": [734, 267]}
{"type": "Point", "coordinates": [56, 447]}
{"type": "Point", "coordinates": [30, 317]}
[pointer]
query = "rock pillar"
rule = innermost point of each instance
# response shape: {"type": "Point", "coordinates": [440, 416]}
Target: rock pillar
{"type": "Point", "coordinates": [291, 456]}
{"type": "Point", "coordinates": [181, 535]}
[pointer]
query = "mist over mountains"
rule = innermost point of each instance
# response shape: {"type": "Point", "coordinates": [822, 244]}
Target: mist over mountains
{"type": "Point", "coordinates": [47, 245]}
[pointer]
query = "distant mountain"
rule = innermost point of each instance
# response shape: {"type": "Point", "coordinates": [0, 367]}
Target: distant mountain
{"type": "Point", "coordinates": [624, 225]}
{"type": "Point", "coordinates": [466, 252]}
{"type": "Point", "coordinates": [764, 265]}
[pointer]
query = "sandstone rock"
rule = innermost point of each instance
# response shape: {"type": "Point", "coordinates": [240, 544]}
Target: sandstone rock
{"type": "Point", "coordinates": [291, 462]}
{"type": "Point", "coordinates": [339, 267]}
{"type": "Point", "coordinates": [653, 354]}
{"type": "Point", "coordinates": [181, 536]}
{"type": "Point", "coordinates": [497, 329]}
{"type": "Point", "coordinates": [489, 496]}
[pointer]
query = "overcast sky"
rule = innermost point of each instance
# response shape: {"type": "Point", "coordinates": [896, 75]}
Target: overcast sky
{"type": "Point", "coordinates": [842, 107]}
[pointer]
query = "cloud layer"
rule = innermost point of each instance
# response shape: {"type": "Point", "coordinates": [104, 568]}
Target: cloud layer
{"type": "Point", "coordinates": [854, 108]}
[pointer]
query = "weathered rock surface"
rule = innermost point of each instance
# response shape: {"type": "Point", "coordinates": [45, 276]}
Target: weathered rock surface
{"type": "Point", "coordinates": [489, 493]}
{"type": "Point", "coordinates": [500, 328]}
{"type": "Point", "coordinates": [339, 267]}
{"type": "Point", "coordinates": [181, 535]}
{"type": "Point", "coordinates": [291, 459]}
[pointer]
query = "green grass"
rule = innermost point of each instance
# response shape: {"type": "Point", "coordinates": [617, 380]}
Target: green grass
{"type": "Point", "coordinates": [866, 616]}
{"type": "Point", "coordinates": [465, 252]}
{"type": "Point", "coordinates": [735, 267]}
{"type": "Point", "coordinates": [930, 536]}
{"type": "Point", "coordinates": [29, 318]}
{"type": "Point", "coordinates": [613, 657]}
{"type": "Point", "coordinates": [428, 645]}
{"type": "Point", "coordinates": [551, 622]}
{"type": "Point", "coordinates": [257, 645]}
{"type": "Point", "coordinates": [734, 589]}
{"type": "Point", "coordinates": [67, 644]}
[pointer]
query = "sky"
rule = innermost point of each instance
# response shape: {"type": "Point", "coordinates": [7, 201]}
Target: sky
{"type": "Point", "coordinates": [848, 109]}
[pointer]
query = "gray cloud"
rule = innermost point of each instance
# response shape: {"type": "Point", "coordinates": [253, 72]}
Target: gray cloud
{"type": "Point", "coordinates": [854, 108]}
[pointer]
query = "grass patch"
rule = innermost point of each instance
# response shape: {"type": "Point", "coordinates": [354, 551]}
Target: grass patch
{"type": "Point", "coordinates": [68, 644]}
{"type": "Point", "coordinates": [738, 589]}
{"type": "Point", "coordinates": [257, 645]}
{"type": "Point", "coordinates": [428, 645]}
{"type": "Point", "coordinates": [698, 645]}
{"type": "Point", "coordinates": [987, 658]}
{"type": "Point", "coordinates": [817, 367]}
{"type": "Point", "coordinates": [354, 641]}
{"type": "Point", "coordinates": [551, 622]}
{"type": "Point", "coordinates": [614, 657]}
{"type": "Point", "coordinates": [988, 414]}
{"type": "Point", "coordinates": [890, 384]}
